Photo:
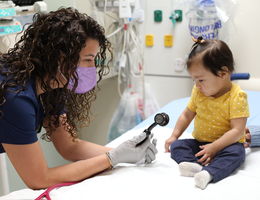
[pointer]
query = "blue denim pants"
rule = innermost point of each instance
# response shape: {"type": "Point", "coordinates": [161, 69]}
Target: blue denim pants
{"type": "Point", "coordinates": [223, 164]}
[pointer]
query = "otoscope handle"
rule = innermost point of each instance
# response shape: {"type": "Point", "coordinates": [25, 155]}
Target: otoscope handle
{"type": "Point", "coordinates": [147, 135]}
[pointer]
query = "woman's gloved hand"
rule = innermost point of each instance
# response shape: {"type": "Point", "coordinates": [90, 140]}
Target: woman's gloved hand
{"type": "Point", "coordinates": [128, 152]}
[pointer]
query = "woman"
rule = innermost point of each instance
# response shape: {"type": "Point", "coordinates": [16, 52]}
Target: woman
{"type": "Point", "coordinates": [48, 79]}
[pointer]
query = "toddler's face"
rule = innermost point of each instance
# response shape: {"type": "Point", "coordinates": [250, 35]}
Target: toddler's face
{"type": "Point", "coordinates": [208, 83]}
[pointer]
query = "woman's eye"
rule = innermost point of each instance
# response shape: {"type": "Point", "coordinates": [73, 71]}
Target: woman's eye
{"type": "Point", "coordinates": [201, 81]}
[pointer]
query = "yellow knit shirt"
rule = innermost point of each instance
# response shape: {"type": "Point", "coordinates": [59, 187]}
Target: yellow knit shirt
{"type": "Point", "coordinates": [213, 115]}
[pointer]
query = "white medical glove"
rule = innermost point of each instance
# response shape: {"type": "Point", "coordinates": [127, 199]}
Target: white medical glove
{"type": "Point", "coordinates": [151, 152]}
{"type": "Point", "coordinates": [128, 152]}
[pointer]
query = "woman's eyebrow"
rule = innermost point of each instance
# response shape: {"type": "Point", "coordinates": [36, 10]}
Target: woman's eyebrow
{"type": "Point", "coordinates": [89, 55]}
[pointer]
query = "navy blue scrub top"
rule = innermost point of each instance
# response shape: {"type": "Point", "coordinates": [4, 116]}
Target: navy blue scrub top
{"type": "Point", "coordinates": [22, 116]}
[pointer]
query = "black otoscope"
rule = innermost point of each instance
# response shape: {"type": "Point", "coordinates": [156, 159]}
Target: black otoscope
{"type": "Point", "coordinates": [161, 118]}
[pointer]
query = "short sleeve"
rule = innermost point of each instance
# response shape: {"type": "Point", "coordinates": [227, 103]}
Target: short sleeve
{"type": "Point", "coordinates": [239, 106]}
{"type": "Point", "coordinates": [18, 122]}
{"type": "Point", "coordinates": [192, 102]}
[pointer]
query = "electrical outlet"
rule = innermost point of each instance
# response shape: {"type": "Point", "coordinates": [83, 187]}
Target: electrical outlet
{"type": "Point", "coordinates": [179, 65]}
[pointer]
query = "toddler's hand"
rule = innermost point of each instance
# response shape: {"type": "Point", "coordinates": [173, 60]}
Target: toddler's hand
{"type": "Point", "coordinates": [207, 153]}
{"type": "Point", "coordinates": [248, 138]}
{"type": "Point", "coordinates": [168, 143]}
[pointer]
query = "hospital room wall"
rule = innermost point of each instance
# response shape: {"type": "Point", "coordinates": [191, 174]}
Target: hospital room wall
{"type": "Point", "coordinates": [54, 5]}
{"type": "Point", "coordinates": [81, 5]}
{"type": "Point", "coordinates": [241, 33]}
{"type": "Point", "coordinates": [159, 61]}
{"type": "Point", "coordinates": [244, 37]}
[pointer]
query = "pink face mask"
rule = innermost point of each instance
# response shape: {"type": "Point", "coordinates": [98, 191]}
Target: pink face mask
{"type": "Point", "coordinates": [87, 79]}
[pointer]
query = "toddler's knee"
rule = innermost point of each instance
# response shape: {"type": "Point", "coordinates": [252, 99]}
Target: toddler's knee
{"type": "Point", "coordinates": [174, 145]}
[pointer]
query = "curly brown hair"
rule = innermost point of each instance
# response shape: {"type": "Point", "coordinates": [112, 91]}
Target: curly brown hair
{"type": "Point", "coordinates": [51, 43]}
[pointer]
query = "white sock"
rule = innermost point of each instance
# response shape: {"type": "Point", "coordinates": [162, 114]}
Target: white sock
{"type": "Point", "coordinates": [202, 179]}
{"type": "Point", "coordinates": [189, 168]}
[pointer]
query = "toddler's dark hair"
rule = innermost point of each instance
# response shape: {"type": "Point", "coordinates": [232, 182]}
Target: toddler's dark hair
{"type": "Point", "coordinates": [215, 54]}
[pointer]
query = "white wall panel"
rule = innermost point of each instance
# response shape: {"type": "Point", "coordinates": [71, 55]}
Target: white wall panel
{"type": "Point", "coordinates": [168, 88]}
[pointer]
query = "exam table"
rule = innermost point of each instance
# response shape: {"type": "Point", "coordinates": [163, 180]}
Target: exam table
{"type": "Point", "coordinates": [161, 179]}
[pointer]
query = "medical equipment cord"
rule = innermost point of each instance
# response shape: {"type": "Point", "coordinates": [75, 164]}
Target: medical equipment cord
{"type": "Point", "coordinates": [46, 193]}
